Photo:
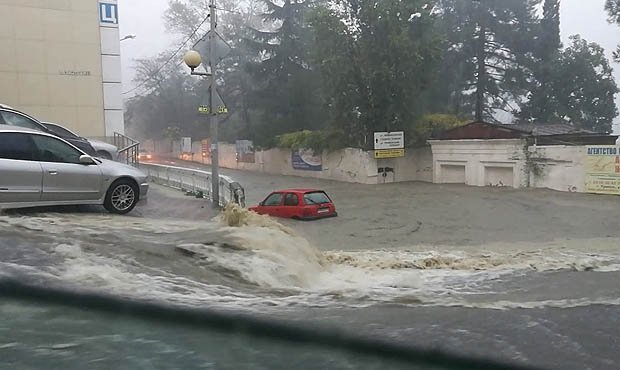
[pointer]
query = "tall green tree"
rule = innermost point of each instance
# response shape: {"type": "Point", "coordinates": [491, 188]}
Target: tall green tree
{"type": "Point", "coordinates": [375, 59]}
{"type": "Point", "coordinates": [585, 87]}
{"type": "Point", "coordinates": [613, 9]}
{"type": "Point", "coordinates": [287, 90]}
{"type": "Point", "coordinates": [485, 55]}
{"type": "Point", "coordinates": [542, 103]}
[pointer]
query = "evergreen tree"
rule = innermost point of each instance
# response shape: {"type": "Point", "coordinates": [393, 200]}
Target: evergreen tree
{"type": "Point", "coordinates": [485, 55]}
{"type": "Point", "coordinates": [586, 87]}
{"type": "Point", "coordinates": [542, 102]}
{"type": "Point", "coordinates": [287, 87]}
{"type": "Point", "coordinates": [375, 58]}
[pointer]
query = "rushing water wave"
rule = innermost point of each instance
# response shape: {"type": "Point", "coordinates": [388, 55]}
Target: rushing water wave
{"type": "Point", "coordinates": [243, 260]}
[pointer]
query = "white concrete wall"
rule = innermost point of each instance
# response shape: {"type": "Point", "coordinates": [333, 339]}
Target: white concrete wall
{"type": "Point", "coordinates": [485, 161]}
{"type": "Point", "coordinates": [416, 165]}
{"type": "Point", "coordinates": [560, 167]}
{"type": "Point", "coordinates": [488, 162]}
{"type": "Point", "coordinates": [347, 165]}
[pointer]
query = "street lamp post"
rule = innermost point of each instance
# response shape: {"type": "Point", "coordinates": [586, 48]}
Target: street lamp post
{"type": "Point", "coordinates": [193, 60]}
{"type": "Point", "coordinates": [215, 160]}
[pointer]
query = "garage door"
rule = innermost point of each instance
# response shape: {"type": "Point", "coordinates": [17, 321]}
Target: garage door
{"type": "Point", "coordinates": [452, 174]}
{"type": "Point", "coordinates": [499, 176]}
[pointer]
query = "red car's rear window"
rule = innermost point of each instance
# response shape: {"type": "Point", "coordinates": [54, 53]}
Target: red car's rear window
{"type": "Point", "coordinates": [317, 197]}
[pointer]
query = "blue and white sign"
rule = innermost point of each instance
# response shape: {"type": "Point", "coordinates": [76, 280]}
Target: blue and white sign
{"type": "Point", "coordinates": [108, 14]}
{"type": "Point", "coordinates": [306, 160]}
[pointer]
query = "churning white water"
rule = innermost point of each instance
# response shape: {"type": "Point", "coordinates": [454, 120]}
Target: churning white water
{"type": "Point", "coordinates": [244, 260]}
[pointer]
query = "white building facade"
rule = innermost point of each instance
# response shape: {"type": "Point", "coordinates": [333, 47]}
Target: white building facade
{"type": "Point", "coordinates": [60, 62]}
{"type": "Point", "coordinates": [480, 162]}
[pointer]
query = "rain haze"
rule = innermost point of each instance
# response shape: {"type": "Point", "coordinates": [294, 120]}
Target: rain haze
{"type": "Point", "coordinates": [145, 18]}
{"type": "Point", "coordinates": [356, 184]}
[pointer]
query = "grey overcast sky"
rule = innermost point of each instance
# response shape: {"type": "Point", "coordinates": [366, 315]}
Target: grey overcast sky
{"type": "Point", "coordinates": [144, 19]}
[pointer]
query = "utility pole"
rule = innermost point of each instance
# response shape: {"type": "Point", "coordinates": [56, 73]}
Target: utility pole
{"type": "Point", "coordinates": [214, 49]}
{"type": "Point", "coordinates": [215, 160]}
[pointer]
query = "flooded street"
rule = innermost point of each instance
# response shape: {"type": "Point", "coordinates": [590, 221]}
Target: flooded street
{"type": "Point", "coordinates": [411, 215]}
{"type": "Point", "coordinates": [506, 261]}
{"type": "Point", "coordinates": [491, 272]}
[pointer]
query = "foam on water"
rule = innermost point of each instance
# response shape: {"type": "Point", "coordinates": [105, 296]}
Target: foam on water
{"type": "Point", "coordinates": [245, 260]}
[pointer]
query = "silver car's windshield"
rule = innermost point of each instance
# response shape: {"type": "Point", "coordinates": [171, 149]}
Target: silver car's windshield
{"type": "Point", "coordinates": [60, 131]}
{"type": "Point", "coordinates": [15, 119]}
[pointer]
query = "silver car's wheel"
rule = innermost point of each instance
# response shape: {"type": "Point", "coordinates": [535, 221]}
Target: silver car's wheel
{"type": "Point", "coordinates": [122, 197]}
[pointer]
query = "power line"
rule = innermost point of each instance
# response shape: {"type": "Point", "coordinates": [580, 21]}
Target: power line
{"type": "Point", "coordinates": [170, 58]}
{"type": "Point", "coordinates": [230, 11]}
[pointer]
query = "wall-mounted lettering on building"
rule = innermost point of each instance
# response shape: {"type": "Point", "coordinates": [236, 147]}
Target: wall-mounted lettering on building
{"type": "Point", "coordinates": [603, 170]}
{"type": "Point", "coordinates": [108, 14]}
{"type": "Point", "coordinates": [75, 73]}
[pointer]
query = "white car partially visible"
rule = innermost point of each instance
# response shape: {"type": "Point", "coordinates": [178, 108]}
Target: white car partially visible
{"type": "Point", "coordinates": [104, 150]}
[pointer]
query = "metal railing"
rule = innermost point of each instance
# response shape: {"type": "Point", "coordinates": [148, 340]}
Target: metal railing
{"type": "Point", "coordinates": [196, 182]}
{"type": "Point", "coordinates": [128, 149]}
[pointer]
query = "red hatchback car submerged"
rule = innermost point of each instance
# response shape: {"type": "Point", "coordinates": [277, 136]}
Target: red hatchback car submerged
{"type": "Point", "coordinates": [301, 204]}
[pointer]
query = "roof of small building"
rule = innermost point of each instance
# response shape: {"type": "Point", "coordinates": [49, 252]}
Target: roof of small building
{"type": "Point", "coordinates": [548, 129]}
{"type": "Point", "coordinates": [485, 130]}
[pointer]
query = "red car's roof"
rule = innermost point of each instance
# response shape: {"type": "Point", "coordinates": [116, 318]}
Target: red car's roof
{"type": "Point", "coordinates": [298, 191]}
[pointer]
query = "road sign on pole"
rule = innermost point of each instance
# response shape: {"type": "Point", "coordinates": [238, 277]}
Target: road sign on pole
{"type": "Point", "coordinates": [389, 140]}
{"type": "Point", "coordinates": [389, 144]}
{"type": "Point", "coordinates": [219, 107]}
{"type": "Point", "coordinates": [220, 51]}
{"type": "Point", "coordinates": [389, 153]}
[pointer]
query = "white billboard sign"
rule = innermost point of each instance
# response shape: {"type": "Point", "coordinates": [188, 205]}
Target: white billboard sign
{"type": "Point", "coordinates": [389, 140]}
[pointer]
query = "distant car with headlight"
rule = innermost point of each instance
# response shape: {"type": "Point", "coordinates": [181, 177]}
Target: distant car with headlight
{"type": "Point", "coordinates": [145, 155]}
{"type": "Point", "coordinates": [300, 204]}
{"type": "Point", "coordinates": [40, 169]}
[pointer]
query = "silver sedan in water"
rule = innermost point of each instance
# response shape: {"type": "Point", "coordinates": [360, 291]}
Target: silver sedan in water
{"type": "Point", "coordinates": [39, 169]}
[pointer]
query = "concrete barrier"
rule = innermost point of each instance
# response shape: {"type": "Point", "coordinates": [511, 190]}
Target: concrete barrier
{"type": "Point", "coordinates": [557, 167]}
{"type": "Point", "coordinates": [346, 165]}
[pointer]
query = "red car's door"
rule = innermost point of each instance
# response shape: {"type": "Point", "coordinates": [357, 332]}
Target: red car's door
{"type": "Point", "coordinates": [272, 205]}
{"type": "Point", "coordinates": [291, 206]}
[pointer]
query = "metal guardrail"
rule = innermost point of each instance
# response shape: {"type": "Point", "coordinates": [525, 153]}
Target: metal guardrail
{"type": "Point", "coordinates": [196, 181]}
{"type": "Point", "coordinates": [128, 149]}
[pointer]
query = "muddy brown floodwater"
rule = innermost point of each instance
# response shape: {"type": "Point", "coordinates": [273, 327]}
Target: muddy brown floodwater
{"type": "Point", "coordinates": [527, 276]}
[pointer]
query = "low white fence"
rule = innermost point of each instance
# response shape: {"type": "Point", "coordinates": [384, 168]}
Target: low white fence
{"type": "Point", "coordinates": [195, 181]}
